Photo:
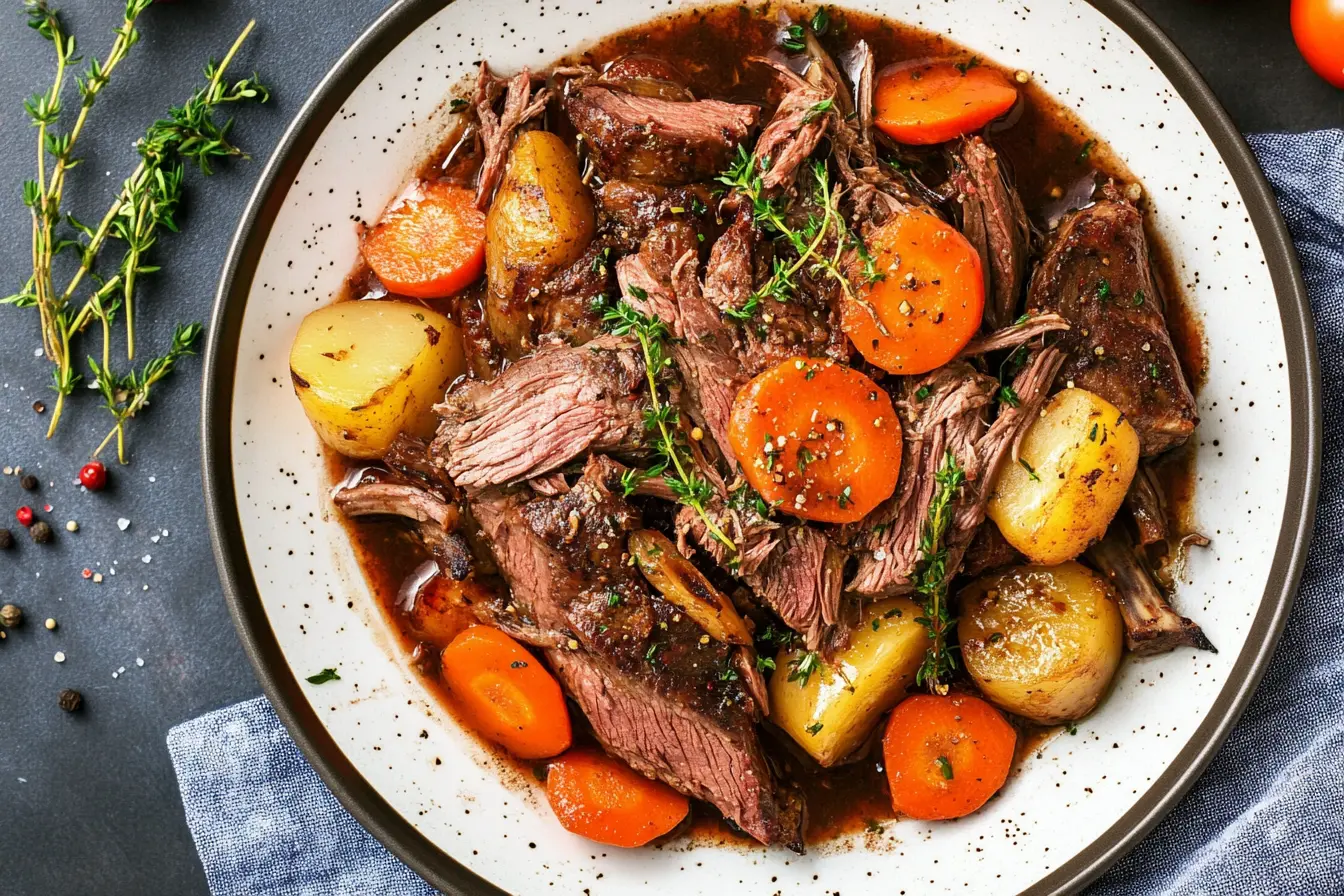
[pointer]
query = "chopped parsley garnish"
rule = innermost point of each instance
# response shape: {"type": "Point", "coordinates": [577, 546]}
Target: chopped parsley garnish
{"type": "Point", "coordinates": [793, 39]}
{"type": "Point", "coordinates": [845, 499]}
{"type": "Point", "coordinates": [814, 728]}
{"type": "Point", "coordinates": [996, 637]}
{"type": "Point", "coordinates": [1030, 471]}
{"type": "Point", "coordinates": [602, 259]}
{"type": "Point", "coordinates": [614, 599]}
{"type": "Point", "coordinates": [458, 104]}
{"type": "Point", "coordinates": [1104, 290]}
{"type": "Point", "coordinates": [1138, 298]}
{"type": "Point", "coordinates": [922, 393]}
{"type": "Point", "coordinates": [945, 767]}
{"type": "Point", "coordinates": [1154, 371]}
{"type": "Point", "coordinates": [697, 207]}
{"type": "Point", "coordinates": [729, 674]}
{"type": "Point", "coordinates": [638, 292]}
{"type": "Point", "coordinates": [651, 655]}
{"type": "Point", "coordinates": [1086, 150]}
{"type": "Point", "coordinates": [969, 64]}
{"type": "Point", "coordinates": [1092, 434]}
{"type": "Point", "coordinates": [764, 663]}
{"type": "Point", "coordinates": [324, 676]}
{"type": "Point", "coordinates": [1008, 396]}
{"type": "Point", "coordinates": [805, 457]}
{"type": "Point", "coordinates": [894, 611]}
{"type": "Point", "coordinates": [1072, 728]}
{"type": "Point", "coordinates": [821, 20]}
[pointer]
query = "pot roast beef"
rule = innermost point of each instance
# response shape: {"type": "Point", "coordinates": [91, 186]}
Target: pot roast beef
{"type": "Point", "coordinates": [548, 409]}
{"type": "Point", "coordinates": [656, 140]}
{"type": "Point", "coordinates": [995, 223]}
{"type": "Point", "coordinates": [1098, 276]}
{"type": "Point", "coordinates": [658, 693]}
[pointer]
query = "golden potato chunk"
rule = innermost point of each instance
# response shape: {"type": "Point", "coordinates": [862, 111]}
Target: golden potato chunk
{"type": "Point", "coordinates": [365, 371]}
{"type": "Point", "coordinates": [831, 708]}
{"type": "Point", "coordinates": [540, 222]}
{"type": "Point", "coordinates": [1077, 462]}
{"type": "Point", "coordinates": [1041, 642]}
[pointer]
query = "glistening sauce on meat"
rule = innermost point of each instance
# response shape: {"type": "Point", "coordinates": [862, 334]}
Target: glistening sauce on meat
{"type": "Point", "coordinates": [1056, 166]}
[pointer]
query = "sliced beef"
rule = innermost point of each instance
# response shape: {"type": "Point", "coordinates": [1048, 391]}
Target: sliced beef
{"type": "Point", "coordinates": [657, 692]}
{"type": "Point", "coordinates": [1021, 332]}
{"type": "Point", "coordinates": [657, 140]}
{"type": "Point", "coordinates": [995, 222]}
{"type": "Point", "coordinates": [1098, 276]}
{"type": "Point", "coordinates": [799, 123]}
{"type": "Point", "coordinates": [801, 581]}
{"type": "Point", "coordinates": [497, 130]}
{"type": "Point", "coordinates": [1151, 625]}
{"type": "Point", "coordinates": [645, 75]}
{"type": "Point", "coordinates": [950, 418]}
{"type": "Point", "coordinates": [543, 412]}
{"type": "Point", "coordinates": [702, 349]}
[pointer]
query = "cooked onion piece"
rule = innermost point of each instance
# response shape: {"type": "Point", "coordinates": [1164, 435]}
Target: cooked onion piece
{"type": "Point", "coordinates": [677, 579]}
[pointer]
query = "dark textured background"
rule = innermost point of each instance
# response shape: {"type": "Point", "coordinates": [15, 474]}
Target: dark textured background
{"type": "Point", "coordinates": [88, 803]}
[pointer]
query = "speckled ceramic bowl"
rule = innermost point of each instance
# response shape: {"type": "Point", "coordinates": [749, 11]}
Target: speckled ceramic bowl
{"type": "Point", "coordinates": [428, 790]}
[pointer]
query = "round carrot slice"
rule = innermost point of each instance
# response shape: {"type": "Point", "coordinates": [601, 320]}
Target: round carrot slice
{"type": "Point", "coordinates": [946, 756]}
{"type": "Point", "coordinates": [934, 101]}
{"type": "Point", "coordinates": [603, 799]}
{"type": "Point", "coordinates": [505, 694]}
{"type": "Point", "coordinates": [431, 245]}
{"type": "Point", "coordinates": [818, 439]}
{"type": "Point", "coordinates": [930, 299]}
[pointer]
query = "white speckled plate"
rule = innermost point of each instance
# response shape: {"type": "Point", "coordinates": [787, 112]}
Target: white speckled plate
{"type": "Point", "coordinates": [429, 790]}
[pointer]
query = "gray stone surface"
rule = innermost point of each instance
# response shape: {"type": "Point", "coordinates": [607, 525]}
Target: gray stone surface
{"type": "Point", "coordinates": [88, 803]}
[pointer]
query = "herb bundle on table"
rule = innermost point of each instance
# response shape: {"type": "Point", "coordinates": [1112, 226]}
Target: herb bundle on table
{"type": "Point", "coordinates": [99, 291]}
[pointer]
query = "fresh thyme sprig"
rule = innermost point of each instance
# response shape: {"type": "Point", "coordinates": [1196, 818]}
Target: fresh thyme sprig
{"type": "Point", "coordinates": [148, 199]}
{"type": "Point", "coordinates": [746, 176]}
{"type": "Point", "coordinates": [125, 396]}
{"type": "Point", "coordinates": [661, 420]}
{"type": "Point", "coordinates": [931, 577]}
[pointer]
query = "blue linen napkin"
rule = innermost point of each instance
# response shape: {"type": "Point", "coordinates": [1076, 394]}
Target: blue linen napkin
{"type": "Point", "coordinates": [1266, 819]}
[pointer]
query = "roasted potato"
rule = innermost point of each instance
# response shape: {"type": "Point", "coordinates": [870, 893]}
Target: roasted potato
{"type": "Point", "coordinates": [440, 609]}
{"type": "Point", "coordinates": [365, 371]}
{"type": "Point", "coordinates": [1041, 642]}
{"type": "Point", "coordinates": [540, 222]}
{"type": "Point", "coordinates": [831, 708]}
{"type": "Point", "coordinates": [1077, 462]}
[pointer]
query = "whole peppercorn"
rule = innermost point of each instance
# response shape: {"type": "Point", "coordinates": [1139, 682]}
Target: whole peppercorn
{"type": "Point", "coordinates": [10, 616]}
{"type": "Point", "coordinates": [93, 476]}
{"type": "Point", "coordinates": [41, 532]}
{"type": "Point", "coordinates": [6, 539]}
{"type": "Point", "coordinates": [29, 482]}
{"type": "Point", "coordinates": [70, 700]}
{"type": "Point", "coordinates": [24, 515]}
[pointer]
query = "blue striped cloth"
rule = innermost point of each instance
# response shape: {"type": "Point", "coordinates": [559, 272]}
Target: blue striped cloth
{"type": "Point", "coordinates": [1266, 818]}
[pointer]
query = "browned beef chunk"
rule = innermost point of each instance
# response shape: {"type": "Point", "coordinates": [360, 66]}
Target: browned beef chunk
{"type": "Point", "coordinates": [1151, 625]}
{"type": "Point", "coordinates": [629, 212]}
{"type": "Point", "coordinates": [497, 129]}
{"type": "Point", "coordinates": [995, 222]}
{"type": "Point", "coordinates": [1015, 334]}
{"type": "Point", "coordinates": [657, 692]}
{"type": "Point", "coordinates": [573, 299]}
{"type": "Point", "coordinates": [543, 412]}
{"type": "Point", "coordinates": [1148, 506]}
{"type": "Point", "coordinates": [645, 75]}
{"type": "Point", "coordinates": [657, 140]}
{"type": "Point", "coordinates": [1098, 276]}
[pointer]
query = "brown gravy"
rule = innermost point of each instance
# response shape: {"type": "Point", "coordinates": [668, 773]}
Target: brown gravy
{"type": "Point", "coordinates": [1048, 150]}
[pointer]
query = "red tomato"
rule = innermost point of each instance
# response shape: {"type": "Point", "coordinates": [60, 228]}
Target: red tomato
{"type": "Point", "coordinates": [1318, 28]}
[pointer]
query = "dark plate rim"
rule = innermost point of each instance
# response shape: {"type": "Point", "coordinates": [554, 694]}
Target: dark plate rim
{"type": "Point", "coordinates": [438, 867]}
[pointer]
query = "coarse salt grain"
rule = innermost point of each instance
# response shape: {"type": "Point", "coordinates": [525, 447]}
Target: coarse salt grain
{"type": "Point", "coordinates": [97, 578]}
{"type": "Point", "coordinates": [139, 662]}
{"type": "Point", "coordinates": [145, 559]}
{"type": "Point", "coordinates": [154, 538]}
{"type": "Point", "coordinates": [121, 670]}
{"type": "Point", "coordinates": [59, 657]}
{"type": "Point", "coordinates": [123, 524]}
{"type": "Point", "coordinates": [72, 526]}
